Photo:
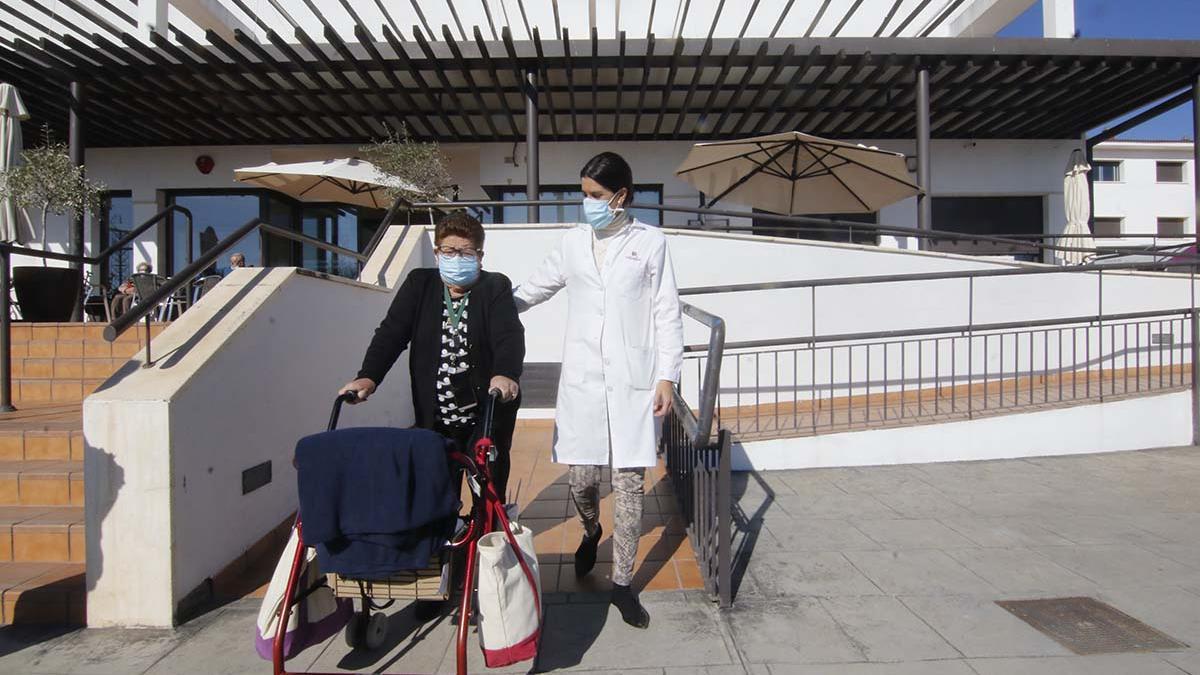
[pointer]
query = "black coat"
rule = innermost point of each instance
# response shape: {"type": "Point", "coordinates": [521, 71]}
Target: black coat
{"type": "Point", "coordinates": [414, 322]}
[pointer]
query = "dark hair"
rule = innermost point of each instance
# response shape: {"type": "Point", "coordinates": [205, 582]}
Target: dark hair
{"type": "Point", "coordinates": [612, 171]}
{"type": "Point", "coordinates": [461, 225]}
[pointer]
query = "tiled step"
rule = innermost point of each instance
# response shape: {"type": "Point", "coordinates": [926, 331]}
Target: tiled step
{"type": "Point", "coordinates": [25, 332]}
{"type": "Point", "coordinates": [47, 443]}
{"type": "Point", "coordinates": [41, 534]}
{"type": "Point", "coordinates": [52, 593]}
{"type": "Point", "coordinates": [41, 483]}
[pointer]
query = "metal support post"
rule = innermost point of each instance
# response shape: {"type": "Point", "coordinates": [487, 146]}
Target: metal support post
{"type": "Point", "coordinates": [924, 205]}
{"type": "Point", "coordinates": [5, 334]}
{"type": "Point", "coordinates": [75, 148]}
{"type": "Point", "coordinates": [1196, 233]}
{"type": "Point", "coordinates": [533, 190]}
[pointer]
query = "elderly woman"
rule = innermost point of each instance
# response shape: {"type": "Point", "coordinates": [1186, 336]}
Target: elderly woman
{"type": "Point", "coordinates": [461, 325]}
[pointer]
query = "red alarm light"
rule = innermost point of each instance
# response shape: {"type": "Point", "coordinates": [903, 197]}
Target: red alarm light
{"type": "Point", "coordinates": [205, 164]}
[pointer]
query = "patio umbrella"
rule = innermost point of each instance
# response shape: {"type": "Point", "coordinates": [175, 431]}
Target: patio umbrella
{"type": "Point", "coordinates": [12, 111]}
{"type": "Point", "coordinates": [1079, 209]}
{"type": "Point", "coordinates": [793, 173]}
{"type": "Point", "coordinates": [346, 180]}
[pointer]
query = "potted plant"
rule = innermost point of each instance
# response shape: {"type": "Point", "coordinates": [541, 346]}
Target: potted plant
{"type": "Point", "coordinates": [48, 181]}
{"type": "Point", "coordinates": [417, 171]}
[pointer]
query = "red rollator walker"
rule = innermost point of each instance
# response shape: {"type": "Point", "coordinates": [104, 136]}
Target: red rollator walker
{"type": "Point", "coordinates": [487, 514]}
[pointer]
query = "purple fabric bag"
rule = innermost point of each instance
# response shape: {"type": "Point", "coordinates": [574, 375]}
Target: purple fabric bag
{"type": "Point", "coordinates": [316, 615]}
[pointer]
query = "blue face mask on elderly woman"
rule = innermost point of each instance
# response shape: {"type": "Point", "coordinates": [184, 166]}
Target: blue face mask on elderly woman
{"type": "Point", "coordinates": [599, 212]}
{"type": "Point", "coordinates": [458, 270]}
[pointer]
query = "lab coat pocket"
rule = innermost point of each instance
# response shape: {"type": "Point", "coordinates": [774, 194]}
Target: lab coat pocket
{"type": "Point", "coordinates": [640, 362]}
{"type": "Point", "coordinates": [634, 278]}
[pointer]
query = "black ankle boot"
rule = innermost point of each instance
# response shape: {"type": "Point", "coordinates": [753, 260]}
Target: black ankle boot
{"type": "Point", "coordinates": [585, 555]}
{"type": "Point", "coordinates": [626, 601]}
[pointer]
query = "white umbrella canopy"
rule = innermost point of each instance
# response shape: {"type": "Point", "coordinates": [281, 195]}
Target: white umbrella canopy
{"type": "Point", "coordinates": [793, 173]}
{"type": "Point", "coordinates": [1078, 211]}
{"type": "Point", "coordinates": [346, 180]}
{"type": "Point", "coordinates": [12, 111]}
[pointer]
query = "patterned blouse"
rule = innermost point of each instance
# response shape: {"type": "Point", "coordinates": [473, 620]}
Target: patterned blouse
{"type": "Point", "coordinates": [454, 362]}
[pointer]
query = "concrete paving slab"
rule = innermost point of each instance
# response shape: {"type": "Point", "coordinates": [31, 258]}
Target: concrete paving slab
{"type": "Point", "coordinates": [1093, 530]}
{"type": "Point", "coordinates": [911, 533]}
{"type": "Point", "coordinates": [1021, 571]}
{"type": "Point", "coordinates": [808, 573]}
{"type": "Point", "coordinates": [918, 572]}
{"type": "Point", "coordinates": [931, 504]}
{"type": "Point", "coordinates": [224, 647]}
{"type": "Point", "coordinates": [96, 652]}
{"type": "Point", "coordinates": [792, 630]}
{"type": "Point", "coordinates": [1171, 610]}
{"type": "Point", "coordinates": [1114, 664]}
{"type": "Point", "coordinates": [1188, 662]}
{"type": "Point", "coordinates": [833, 506]}
{"type": "Point", "coordinates": [1003, 531]}
{"type": "Point", "coordinates": [885, 630]}
{"type": "Point", "coordinates": [977, 627]}
{"type": "Point", "coordinates": [409, 646]}
{"type": "Point", "coordinates": [818, 534]}
{"type": "Point", "coordinates": [1120, 565]}
{"type": "Point", "coordinates": [957, 667]}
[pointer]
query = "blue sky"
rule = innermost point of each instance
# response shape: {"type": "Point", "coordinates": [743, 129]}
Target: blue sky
{"type": "Point", "coordinates": [1134, 19]}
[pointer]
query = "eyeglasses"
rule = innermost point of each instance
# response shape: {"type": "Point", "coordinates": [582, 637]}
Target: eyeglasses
{"type": "Point", "coordinates": [451, 252]}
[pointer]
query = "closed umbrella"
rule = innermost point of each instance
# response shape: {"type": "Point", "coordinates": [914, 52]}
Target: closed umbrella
{"type": "Point", "coordinates": [793, 173]}
{"type": "Point", "coordinates": [346, 181]}
{"type": "Point", "coordinates": [12, 111]}
{"type": "Point", "coordinates": [1079, 209]}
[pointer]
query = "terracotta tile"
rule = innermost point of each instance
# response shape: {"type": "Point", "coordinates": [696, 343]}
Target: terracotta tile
{"type": "Point", "coordinates": [10, 515]}
{"type": "Point", "coordinates": [8, 489]}
{"type": "Point", "coordinates": [71, 332]}
{"type": "Point", "coordinates": [77, 446]}
{"type": "Point", "coordinates": [689, 574]}
{"type": "Point", "coordinates": [16, 368]}
{"type": "Point", "coordinates": [68, 368]}
{"type": "Point", "coordinates": [58, 516]}
{"type": "Point", "coordinates": [662, 577]}
{"type": "Point", "coordinates": [70, 348]}
{"type": "Point", "coordinates": [93, 331]}
{"type": "Point", "coordinates": [76, 481]}
{"type": "Point", "coordinates": [599, 580]}
{"type": "Point", "coordinates": [45, 490]}
{"type": "Point", "coordinates": [90, 386]}
{"type": "Point", "coordinates": [5, 545]}
{"type": "Point", "coordinates": [97, 349]}
{"type": "Point", "coordinates": [77, 608]}
{"type": "Point", "coordinates": [43, 332]}
{"type": "Point", "coordinates": [33, 391]}
{"type": "Point", "coordinates": [97, 368]}
{"type": "Point", "coordinates": [42, 349]}
{"type": "Point", "coordinates": [125, 349]}
{"type": "Point", "coordinates": [12, 446]}
{"type": "Point", "coordinates": [67, 391]}
{"type": "Point", "coordinates": [31, 608]}
{"type": "Point", "coordinates": [21, 332]}
{"type": "Point", "coordinates": [548, 577]}
{"type": "Point", "coordinates": [78, 543]}
{"type": "Point", "coordinates": [20, 350]}
{"type": "Point", "coordinates": [47, 446]}
{"type": "Point", "coordinates": [41, 543]}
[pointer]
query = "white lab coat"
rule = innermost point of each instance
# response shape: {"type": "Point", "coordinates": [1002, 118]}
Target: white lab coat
{"type": "Point", "coordinates": [624, 333]}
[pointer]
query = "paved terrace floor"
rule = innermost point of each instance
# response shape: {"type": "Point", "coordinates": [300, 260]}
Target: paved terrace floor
{"type": "Point", "coordinates": [862, 571]}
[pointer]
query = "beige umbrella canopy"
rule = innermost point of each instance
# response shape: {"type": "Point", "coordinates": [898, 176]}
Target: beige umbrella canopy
{"type": "Point", "coordinates": [1078, 211]}
{"type": "Point", "coordinates": [793, 173]}
{"type": "Point", "coordinates": [346, 181]}
{"type": "Point", "coordinates": [12, 111]}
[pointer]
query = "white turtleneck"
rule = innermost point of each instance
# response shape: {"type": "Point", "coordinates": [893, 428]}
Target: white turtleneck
{"type": "Point", "coordinates": [602, 237]}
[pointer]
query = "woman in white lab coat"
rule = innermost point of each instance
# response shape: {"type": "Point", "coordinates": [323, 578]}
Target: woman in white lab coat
{"type": "Point", "coordinates": [622, 355]}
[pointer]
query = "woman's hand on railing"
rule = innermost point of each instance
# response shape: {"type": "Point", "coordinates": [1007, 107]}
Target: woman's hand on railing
{"type": "Point", "coordinates": [363, 387]}
{"type": "Point", "coordinates": [508, 388]}
{"type": "Point", "coordinates": [664, 395]}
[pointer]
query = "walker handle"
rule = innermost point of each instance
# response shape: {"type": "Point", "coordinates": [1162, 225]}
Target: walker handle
{"type": "Point", "coordinates": [489, 412]}
{"type": "Point", "coordinates": [337, 408]}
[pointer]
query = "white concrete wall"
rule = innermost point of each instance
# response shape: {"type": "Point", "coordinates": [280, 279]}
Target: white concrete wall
{"type": "Point", "coordinates": [1131, 424]}
{"type": "Point", "coordinates": [236, 381]}
{"type": "Point", "coordinates": [1138, 197]}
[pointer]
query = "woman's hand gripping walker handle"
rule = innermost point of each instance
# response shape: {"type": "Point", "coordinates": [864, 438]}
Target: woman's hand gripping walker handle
{"type": "Point", "coordinates": [348, 397]}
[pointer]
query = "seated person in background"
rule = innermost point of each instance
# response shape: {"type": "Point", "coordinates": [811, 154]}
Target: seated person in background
{"type": "Point", "coordinates": [124, 298]}
{"type": "Point", "coordinates": [236, 260]}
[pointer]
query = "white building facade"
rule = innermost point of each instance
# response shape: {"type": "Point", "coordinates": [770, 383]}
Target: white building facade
{"type": "Point", "coordinates": [1145, 192]}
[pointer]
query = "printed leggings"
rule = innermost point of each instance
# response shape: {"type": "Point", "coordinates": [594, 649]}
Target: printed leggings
{"type": "Point", "coordinates": [628, 486]}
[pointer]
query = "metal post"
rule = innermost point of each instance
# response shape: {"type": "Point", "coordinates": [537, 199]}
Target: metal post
{"type": "Point", "coordinates": [75, 148]}
{"type": "Point", "coordinates": [531, 143]}
{"type": "Point", "coordinates": [1196, 231]}
{"type": "Point", "coordinates": [5, 335]}
{"type": "Point", "coordinates": [924, 206]}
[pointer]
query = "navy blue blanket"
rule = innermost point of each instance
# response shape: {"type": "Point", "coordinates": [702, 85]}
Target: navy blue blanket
{"type": "Point", "coordinates": [375, 501]}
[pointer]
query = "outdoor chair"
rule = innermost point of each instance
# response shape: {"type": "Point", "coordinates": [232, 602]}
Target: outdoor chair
{"type": "Point", "coordinates": [203, 285]}
{"type": "Point", "coordinates": [145, 284]}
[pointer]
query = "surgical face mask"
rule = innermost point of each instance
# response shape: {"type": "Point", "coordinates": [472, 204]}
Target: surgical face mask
{"type": "Point", "coordinates": [598, 213]}
{"type": "Point", "coordinates": [458, 270]}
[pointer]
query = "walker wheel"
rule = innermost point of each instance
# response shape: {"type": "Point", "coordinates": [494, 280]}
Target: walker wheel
{"type": "Point", "coordinates": [376, 630]}
{"type": "Point", "coordinates": [355, 631]}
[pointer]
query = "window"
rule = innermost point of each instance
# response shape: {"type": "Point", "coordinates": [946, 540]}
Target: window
{"type": "Point", "coordinates": [993, 216]}
{"type": "Point", "coordinates": [217, 213]}
{"type": "Point", "coordinates": [1108, 172]}
{"type": "Point", "coordinates": [1172, 227]}
{"type": "Point", "coordinates": [116, 221]}
{"type": "Point", "coordinates": [1107, 227]}
{"type": "Point", "coordinates": [642, 194]}
{"type": "Point", "coordinates": [828, 232]}
{"type": "Point", "coordinates": [1169, 172]}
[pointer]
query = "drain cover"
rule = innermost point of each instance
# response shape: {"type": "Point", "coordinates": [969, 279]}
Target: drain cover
{"type": "Point", "coordinates": [1088, 626]}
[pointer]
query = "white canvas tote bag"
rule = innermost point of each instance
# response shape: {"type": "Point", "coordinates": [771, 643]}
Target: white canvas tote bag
{"type": "Point", "coordinates": [510, 596]}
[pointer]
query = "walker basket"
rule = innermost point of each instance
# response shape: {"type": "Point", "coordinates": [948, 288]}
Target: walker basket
{"type": "Point", "coordinates": [422, 584]}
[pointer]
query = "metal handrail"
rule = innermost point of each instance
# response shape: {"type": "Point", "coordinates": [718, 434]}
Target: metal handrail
{"type": "Point", "coordinates": [282, 233]}
{"type": "Point", "coordinates": [939, 330]}
{"type": "Point", "coordinates": [700, 429]}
